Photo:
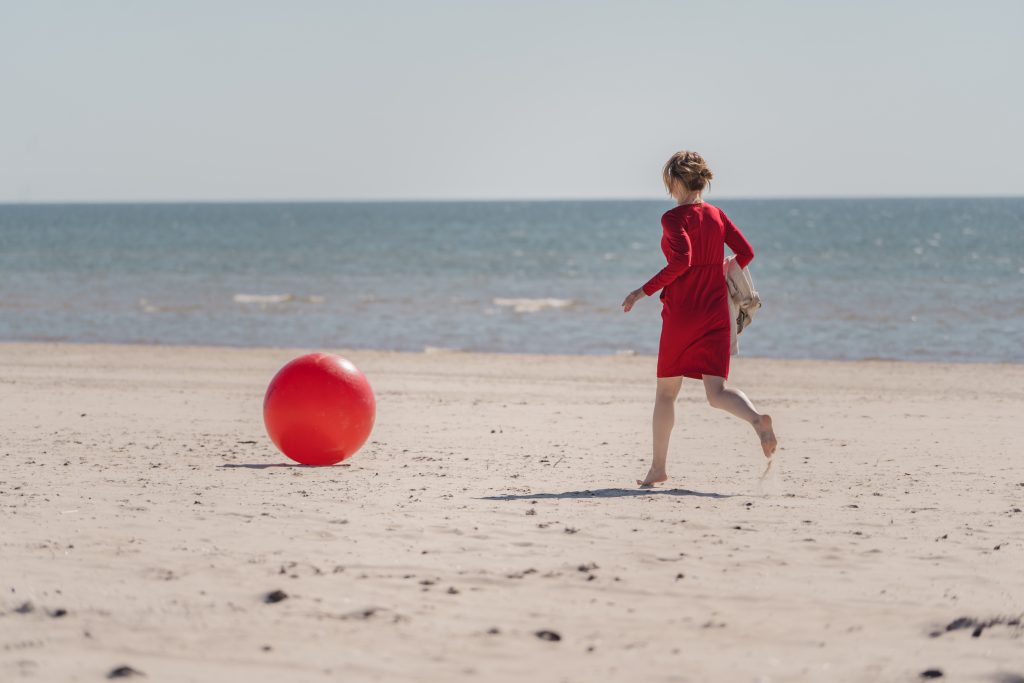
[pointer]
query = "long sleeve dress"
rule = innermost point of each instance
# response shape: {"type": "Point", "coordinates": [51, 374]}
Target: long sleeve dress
{"type": "Point", "coordinates": [695, 304]}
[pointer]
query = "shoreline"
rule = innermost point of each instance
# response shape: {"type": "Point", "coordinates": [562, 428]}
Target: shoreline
{"type": "Point", "coordinates": [432, 350]}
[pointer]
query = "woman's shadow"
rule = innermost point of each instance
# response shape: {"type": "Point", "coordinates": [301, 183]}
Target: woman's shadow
{"type": "Point", "coordinates": [609, 493]}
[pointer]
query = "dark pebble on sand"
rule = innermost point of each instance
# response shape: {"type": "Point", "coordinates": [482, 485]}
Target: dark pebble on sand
{"type": "Point", "coordinates": [59, 612]}
{"type": "Point", "coordinates": [932, 673]}
{"type": "Point", "coordinates": [25, 608]}
{"type": "Point", "coordinates": [962, 622]}
{"type": "Point", "coordinates": [362, 613]}
{"type": "Point", "coordinates": [978, 626]}
{"type": "Point", "coordinates": [452, 590]}
{"type": "Point", "coordinates": [550, 636]}
{"type": "Point", "coordinates": [493, 631]}
{"type": "Point", "coordinates": [275, 596]}
{"type": "Point", "coordinates": [124, 672]}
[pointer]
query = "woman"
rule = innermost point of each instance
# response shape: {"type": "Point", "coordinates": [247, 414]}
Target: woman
{"type": "Point", "coordinates": [695, 307]}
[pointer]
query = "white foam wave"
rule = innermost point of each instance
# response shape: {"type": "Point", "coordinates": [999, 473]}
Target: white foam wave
{"type": "Point", "coordinates": [149, 307]}
{"type": "Point", "coordinates": [265, 299]}
{"type": "Point", "coordinates": [532, 305]}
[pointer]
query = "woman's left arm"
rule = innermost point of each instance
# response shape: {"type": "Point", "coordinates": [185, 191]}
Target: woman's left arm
{"type": "Point", "coordinates": [632, 298]}
{"type": "Point", "coordinates": [679, 261]}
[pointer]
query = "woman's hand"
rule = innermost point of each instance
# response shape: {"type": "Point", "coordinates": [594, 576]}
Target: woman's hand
{"type": "Point", "coordinates": [631, 299]}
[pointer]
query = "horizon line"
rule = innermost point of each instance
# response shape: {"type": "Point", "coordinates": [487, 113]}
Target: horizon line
{"type": "Point", "coordinates": [455, 200]}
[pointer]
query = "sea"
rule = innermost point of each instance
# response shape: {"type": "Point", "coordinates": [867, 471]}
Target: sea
{"type": "Point", "coordinates": [902, 279]}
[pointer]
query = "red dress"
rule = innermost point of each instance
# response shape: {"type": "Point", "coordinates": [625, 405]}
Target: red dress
{"type": "Point", "coordinates": [695, 305]}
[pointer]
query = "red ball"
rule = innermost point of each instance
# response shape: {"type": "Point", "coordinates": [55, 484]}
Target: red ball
{"type": "Point", "coordinates": [319, 409]}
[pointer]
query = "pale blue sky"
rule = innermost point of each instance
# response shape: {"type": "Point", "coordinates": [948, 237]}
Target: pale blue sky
{"type": "Point", "coordinates": [179, 100]}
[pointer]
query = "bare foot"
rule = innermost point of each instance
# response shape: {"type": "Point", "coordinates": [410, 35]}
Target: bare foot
{"type": "Point", "coordinates": [763, 427]}
{"type": "Point", "coordinates": [653, 477]}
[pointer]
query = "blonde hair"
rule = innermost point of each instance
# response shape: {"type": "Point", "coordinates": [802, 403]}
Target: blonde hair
{"type": "Point", "coordinates": [689, 168]}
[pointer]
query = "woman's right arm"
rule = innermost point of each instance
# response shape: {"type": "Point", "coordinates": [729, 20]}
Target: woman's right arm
{"type": "Point", "coordinates": [737, 242]}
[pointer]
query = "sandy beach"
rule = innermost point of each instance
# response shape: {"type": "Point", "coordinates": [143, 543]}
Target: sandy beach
{"type": "Point", "coordinates": [490, 529]}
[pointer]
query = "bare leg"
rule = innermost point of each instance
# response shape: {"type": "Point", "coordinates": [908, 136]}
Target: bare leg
{"type": "Point", "coordinates": [662, 423]}
{"type": "Point", "coordinates": [736, 402]}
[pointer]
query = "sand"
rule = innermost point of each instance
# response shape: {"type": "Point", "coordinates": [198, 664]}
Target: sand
{"type": "Point", "coordinates": [145, 517]}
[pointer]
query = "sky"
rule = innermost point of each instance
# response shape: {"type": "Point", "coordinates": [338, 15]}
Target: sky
{"type": "Point", "coordinates": [480, 99]}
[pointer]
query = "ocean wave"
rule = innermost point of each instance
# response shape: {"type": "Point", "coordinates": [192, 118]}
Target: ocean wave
{"type": "Point", "coordinates": [533, 305]}
{"type": "Point", "coordinates": [149, 307]}
{"type": "Point", "coordinates": [265, 299]}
